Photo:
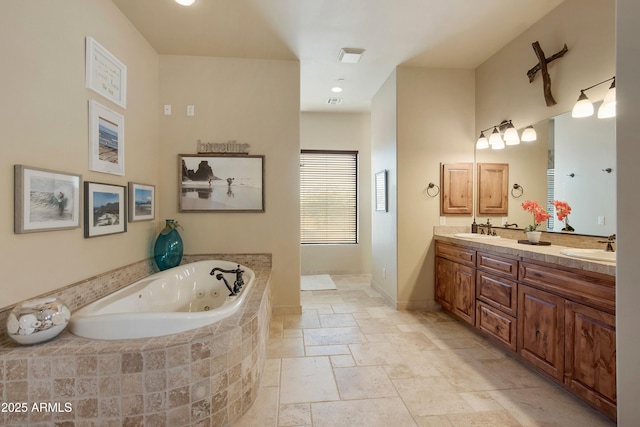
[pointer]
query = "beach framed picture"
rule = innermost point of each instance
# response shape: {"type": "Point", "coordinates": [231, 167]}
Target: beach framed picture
{"type": "Point", "coordinates": [220, 183]}
{"type": "Point", "coordinates": [45, 200]}
{"type": "Point", "coordinates": [104, 209]}
{"type": "Point", "coordinates": [142, 201]}
{"type": "Point", "coordinates": [106, 140]}
{"type": "Point", "coordinates": [105, 74]}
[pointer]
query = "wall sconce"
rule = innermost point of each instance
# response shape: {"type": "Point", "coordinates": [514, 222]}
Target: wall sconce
{"type": "Point", "coordinates": [504, 134]}
{"type": "Point", "coordinates": [584, 107]}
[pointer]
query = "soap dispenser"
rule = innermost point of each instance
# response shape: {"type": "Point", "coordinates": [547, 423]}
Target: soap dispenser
{"type": "Point", "coordinates": [474, 226]}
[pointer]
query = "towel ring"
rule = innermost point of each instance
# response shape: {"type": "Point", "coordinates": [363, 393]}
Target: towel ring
{"type": "Point", "coordinates": [517, 187]}
{"type": "Point", "coordinates": [427, 190]}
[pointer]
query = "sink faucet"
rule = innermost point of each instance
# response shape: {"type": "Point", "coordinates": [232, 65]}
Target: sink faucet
{"type": "Point", "coordinates": [488, 227]}
{"type": "Point", "coordinates": [609, 243]}
{"type": "Point", "coordinates": [237, 284]}
{"type": "Point", "coordinates": [507, 225]}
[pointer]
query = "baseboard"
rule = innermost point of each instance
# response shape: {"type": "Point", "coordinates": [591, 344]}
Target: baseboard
{"type": "Point", "coordinates": [387, 298]}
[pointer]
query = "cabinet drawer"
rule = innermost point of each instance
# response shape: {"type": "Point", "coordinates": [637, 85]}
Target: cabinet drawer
{"type": "Point", "coordinates": [497, 292]}
{"type": "Point", "coordinates": [498, 265]}
{"type": "Point", "coordinates": [499, 325]}
{"type": "Point", "coordinates": [588, 288]}
{"type": "Point", "coordinates": [457, 254]}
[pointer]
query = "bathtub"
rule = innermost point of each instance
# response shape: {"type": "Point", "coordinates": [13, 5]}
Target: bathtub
{"type": "Point", "coordinates": [172, 301]}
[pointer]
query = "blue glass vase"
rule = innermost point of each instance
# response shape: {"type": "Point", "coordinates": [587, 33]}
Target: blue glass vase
{"type": "Point", "coordinates": [168, 248]}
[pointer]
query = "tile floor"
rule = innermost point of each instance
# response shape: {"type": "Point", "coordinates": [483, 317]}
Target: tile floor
{"type": "Point", "coordinates": [351, 360]}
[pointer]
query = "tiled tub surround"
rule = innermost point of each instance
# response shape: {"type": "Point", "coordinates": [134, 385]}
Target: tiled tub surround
{"type": "Point", "coordinates": [204, 377]}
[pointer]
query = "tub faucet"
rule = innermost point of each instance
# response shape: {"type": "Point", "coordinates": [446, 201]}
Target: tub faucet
{"type": "Point", "coordinates": [237, 284]}
{"type": "Point", "coordinates": [609, 243]}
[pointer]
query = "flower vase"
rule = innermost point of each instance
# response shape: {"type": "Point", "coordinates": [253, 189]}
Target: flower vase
{"type": "Point", "coordinates": [534, 236]}
{"type": "Point", "coordinates": [567, 227]}
{"type": "Point", "coordinates": [168, 249]}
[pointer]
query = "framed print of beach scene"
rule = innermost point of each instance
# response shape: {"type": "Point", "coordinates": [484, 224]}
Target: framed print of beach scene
{"type": "Point", "coordinates": [45, 200]}
{"type": "Point", "coordinates": [104, 209]}
{"type": "Point", "coordinates": [141, 202]}
{"type": "Point", "coordinates": [106, 140]}
{"type": "Point", "coordinates": [220, 183]}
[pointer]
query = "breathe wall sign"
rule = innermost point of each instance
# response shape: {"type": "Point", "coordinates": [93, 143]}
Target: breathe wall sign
{"type": "Point", "coordinates": [231, 147]}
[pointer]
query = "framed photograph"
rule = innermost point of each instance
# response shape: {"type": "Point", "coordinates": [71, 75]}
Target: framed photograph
{"type": "Point", "coordinates": [105, 74]}
{"type": "Point", "coordinates": [104, 209]}
{"type": "Point", "coordinates": [381, 191]}
{"type": "Point", "coordinates": [220, 183]}
{"type": "Point", "coordinates": [45, 200]}
{"type": "Point", "coordinates": [106, 140]}
{"type": "Point", "coordinates": [142, 202]}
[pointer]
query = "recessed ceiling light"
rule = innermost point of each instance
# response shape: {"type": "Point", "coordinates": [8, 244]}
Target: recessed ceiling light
{"type": "Point", "coordinates": [185, 2]}
{"type": "Point", "coordinates": [336, 89]}
{"type": "Point", "coordinates": [350, 55]}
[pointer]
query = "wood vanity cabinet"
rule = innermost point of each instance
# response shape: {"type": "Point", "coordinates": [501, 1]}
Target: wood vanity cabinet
{"type": "Point", "coordinates": [560, 320]}
{"type": "Point", "coordinates": [455, 282]}
{"type": "Point", "coordinates": [496, 293]}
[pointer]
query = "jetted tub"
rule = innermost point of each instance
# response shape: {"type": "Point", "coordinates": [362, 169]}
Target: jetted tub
{"type": "Point", "coordinates": [171, 301]}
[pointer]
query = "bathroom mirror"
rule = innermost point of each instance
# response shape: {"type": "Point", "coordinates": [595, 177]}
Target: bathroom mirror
{"type": "Point", "coordinates": [573, 160]}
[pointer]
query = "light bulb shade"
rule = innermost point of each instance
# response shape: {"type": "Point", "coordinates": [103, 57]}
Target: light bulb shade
{"type": "Point", "coordinates": [185, 2]}
{"type": "Point", "coordinates": [482, 142]}
{"type": "Point", "coordinates": [496, 139]}
{"type": "Point", "coordinates": [511, 135]}
{"type": "Point", "coordinates": [498, 145]}
{"type": "Point", "coordinates": [583, 108]}
{"type": "Point", "coordinates": [608, 107]}
{"type": "Point", "coordinates": [529, 134]}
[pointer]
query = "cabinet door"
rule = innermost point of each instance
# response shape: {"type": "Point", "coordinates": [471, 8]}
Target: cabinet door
{"type": "Point", "coordinates": [456, 189]}
{"type": "Point", "coordinates": [541, 330]}
{"type": "Point", "coordinates": [493, 186]}
{"type": "Point", "coordinates": [444, 280]}
{"type": "Point", "coordinates": [464, 293]}
{"type": "Point", "coordinates": [590, 359]}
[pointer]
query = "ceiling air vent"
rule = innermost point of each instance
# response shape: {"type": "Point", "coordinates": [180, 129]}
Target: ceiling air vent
{"type": "Point", "coordinates": [334, 101]}
{"type": "Point", "coordinates": [350, 55]}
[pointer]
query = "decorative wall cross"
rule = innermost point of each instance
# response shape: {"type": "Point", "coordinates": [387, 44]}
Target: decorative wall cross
{"type": "Point", "coordinates": [542, 67]}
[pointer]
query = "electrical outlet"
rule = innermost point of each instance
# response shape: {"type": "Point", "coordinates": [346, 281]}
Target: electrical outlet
{"type": "Point", "coordinates": [443, 220]}
{"type": "Point", "coordinates": [601, 220]}
{"type": "Point", "coordinates": [191, 110]}
{"type": "Point", "coordinates": [167, 110]}
{"type": "Point", "coordinates": [505, 220]}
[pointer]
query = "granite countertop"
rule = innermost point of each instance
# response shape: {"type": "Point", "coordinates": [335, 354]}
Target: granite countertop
{"type": "Point", "coordinates": [549, 254]}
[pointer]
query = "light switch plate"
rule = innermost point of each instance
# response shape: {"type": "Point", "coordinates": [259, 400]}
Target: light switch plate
{"type": "Point", "coordinates": [167, 110]}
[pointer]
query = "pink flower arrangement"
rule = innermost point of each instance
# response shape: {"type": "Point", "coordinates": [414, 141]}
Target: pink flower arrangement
{"type": "Point", "coordinates": [562, 212]}
{"type": "Point", "coordinates": [562, 209]}
{"type": "Point", "coordinates": [539, 214]}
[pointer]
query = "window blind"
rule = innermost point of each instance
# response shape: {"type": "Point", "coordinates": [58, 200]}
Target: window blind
{"type": "Point", "coordinates": [328, 197]}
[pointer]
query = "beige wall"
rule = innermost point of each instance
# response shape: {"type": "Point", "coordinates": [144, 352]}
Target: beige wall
{"type": "Point", "coordinates": [250, 101]}
{"type": "Point", "coordinates": [332, 131]}
{"type": "Point", "coordinates": [384, 238]}
{"type": "Point", "coordinates": [628, 159]}
{"type": "Point", "coordinates": [435, 125]}
{"type": "Point", "coordinates": [44, 110]}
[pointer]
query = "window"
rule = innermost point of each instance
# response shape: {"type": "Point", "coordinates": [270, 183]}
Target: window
{"type": "Point", "coordinates": [328, 197]}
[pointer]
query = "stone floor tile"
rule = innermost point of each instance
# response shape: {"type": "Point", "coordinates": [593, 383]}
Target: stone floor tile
{"type": "Point", "coordinates": [284, 347]}
{"type": "Point", "coordinates": [336, 320]}
{"type": "Point", "coordinates": [362, 413]}
{"type": "Point", "coordinates": [364, 382]}
{"type": "Point", "coordinates": [326, 350]}
{"type": "Point", "coordinates": [294, 414]}
{"type": "Point", "coordinates": [331, 336]}
{"type": "Point", "coordinates": [431, 396]}
{"type": "Point", "coordinates": [307, 379]}
{"type": "Point", "coordinates": [375, 354]}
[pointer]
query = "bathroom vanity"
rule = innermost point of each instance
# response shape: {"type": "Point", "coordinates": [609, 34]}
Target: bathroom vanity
{"type": "Point", "coordinates": [555, 312]}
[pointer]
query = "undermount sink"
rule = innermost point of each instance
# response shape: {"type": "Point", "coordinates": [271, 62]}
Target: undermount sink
{"type": "Point", "coordinates": [475, 236]}
{"type": "Point", "coordinates": [592, 254]}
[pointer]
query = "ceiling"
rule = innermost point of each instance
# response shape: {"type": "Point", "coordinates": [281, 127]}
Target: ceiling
{"type": "Point", "coordinates": [424, 33]}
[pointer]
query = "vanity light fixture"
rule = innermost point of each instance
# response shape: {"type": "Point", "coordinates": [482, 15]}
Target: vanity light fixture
{"type": "Point", "coordinates": [529, 134]}
{"type": "Point", "coordinates": [584, 107]}
{"type": "Point", "coordinates": [504, 134]}
{"type": "Point", "coordinates": [185, 2]}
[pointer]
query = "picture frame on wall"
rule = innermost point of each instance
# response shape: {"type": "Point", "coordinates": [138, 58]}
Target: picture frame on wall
{"type": "Point", "coordinates": [105, 74]}
{"type": "Point", "coordinates": [142, 201]}
{"type": "Point", "coordinates": [45, 200]}
{"type": "Point", "coordinates": [104, 209]}
{"type": "Point", "coordinates": [220, 183]}
{"type": "Point", "coordinates": [106, 140]}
